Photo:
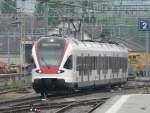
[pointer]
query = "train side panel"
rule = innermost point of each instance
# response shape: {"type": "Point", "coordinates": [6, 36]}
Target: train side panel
{"type": "Point", "coordinates": [89, 77]}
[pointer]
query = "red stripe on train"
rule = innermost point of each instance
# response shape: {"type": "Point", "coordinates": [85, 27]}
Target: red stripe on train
{"type": "Point", "coordinates": [50, 70]}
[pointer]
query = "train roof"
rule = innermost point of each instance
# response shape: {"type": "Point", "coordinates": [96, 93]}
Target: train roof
{"type": "Point", "coordinates": [92, 45]}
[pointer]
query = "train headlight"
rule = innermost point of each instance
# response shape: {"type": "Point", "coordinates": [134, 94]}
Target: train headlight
{"type": "Point", "coordinates": [60, 71]}
{"type": "Point", "coordinates": [38, 71]}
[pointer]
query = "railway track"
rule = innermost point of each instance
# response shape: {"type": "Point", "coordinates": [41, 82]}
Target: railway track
{"type": "Point", "coordinates": [92, 103]}
{"type": "Point", "coordinates": [12, 82]}
{"type": "Point", "coordinates": [23, 100]}
{"type": "Point", "coordinates": [5, 91]}
{"type": "Point", "coordinates": [10, 75]}
{"type": "Point", "coordinates": [37, 99]}
{"type": "Point", "coordinates": [36, 102]}
{"type": "Point", "coordinates": [25, 103]}
{"type": "Point", "coordinates": [60, 108]}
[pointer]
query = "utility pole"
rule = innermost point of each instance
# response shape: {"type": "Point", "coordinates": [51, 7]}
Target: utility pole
{"type": "Point", "coordinates": [147, 54]}
{"type": "Point", "coordinates": [47, 10]}
{"type": "Point", "coordinates": [21, 46]}
{"type": "Point", "coordinates": [8, 47]}
{"type": "Point", "coordinates": [19, 16]}
{"type": "Point", "coordinates": [20, 12]}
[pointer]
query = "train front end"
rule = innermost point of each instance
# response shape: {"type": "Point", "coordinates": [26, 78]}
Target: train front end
{"type": "Point", "coordinates": [49, 54]}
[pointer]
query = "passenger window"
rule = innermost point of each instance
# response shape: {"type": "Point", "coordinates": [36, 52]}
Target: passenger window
{"type": "Point", "coordinates": [68, 64]}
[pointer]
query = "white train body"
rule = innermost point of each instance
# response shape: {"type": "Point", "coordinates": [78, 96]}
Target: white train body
{"type": "Point", "coordinates": [62, 62]}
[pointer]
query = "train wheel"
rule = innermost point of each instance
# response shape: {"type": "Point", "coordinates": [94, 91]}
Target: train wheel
{"type": "Point", "coordinates": [68, 91]}
{"type": "Point", "coordinates": [44, 94]}
{"type": "Point", "coordinates": [71, 91]}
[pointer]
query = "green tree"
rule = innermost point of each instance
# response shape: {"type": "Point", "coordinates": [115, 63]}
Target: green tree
{"type": "Point", "coordinates": [45, 6]}
{"type": "Point", "coordinates": [8, 6]}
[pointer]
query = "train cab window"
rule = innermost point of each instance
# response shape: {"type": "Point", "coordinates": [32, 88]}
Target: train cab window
{"type": "Point", "coordinates": [68, 64]}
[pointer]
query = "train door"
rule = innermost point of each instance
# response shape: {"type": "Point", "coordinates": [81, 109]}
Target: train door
{"type": "Point", "coordinates": [99, 67]}
{"type": "Point", "coordinates": [79, 69]}
{"type": "Point", "coordinates": [89, 77]}
{"type": "Point", "coordinates": [102, 65]}
{"type": "Point", "coordinates": [87, 70]}
{"type": "Point", "coordinates": [75, 72]}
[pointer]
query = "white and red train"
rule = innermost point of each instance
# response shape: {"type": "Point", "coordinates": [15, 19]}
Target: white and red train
{"type": "Point", "coordinates": [64, 63]}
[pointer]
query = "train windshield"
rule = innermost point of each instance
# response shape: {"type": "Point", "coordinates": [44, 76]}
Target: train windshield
{"type": "Point", "coordinates": [50, 51]}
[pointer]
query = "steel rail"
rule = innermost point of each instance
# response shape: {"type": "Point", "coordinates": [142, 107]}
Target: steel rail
{"type": "Point", "coordinates": [24, 104]}
{"type": "Point", "coordinates": [63, 106]}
